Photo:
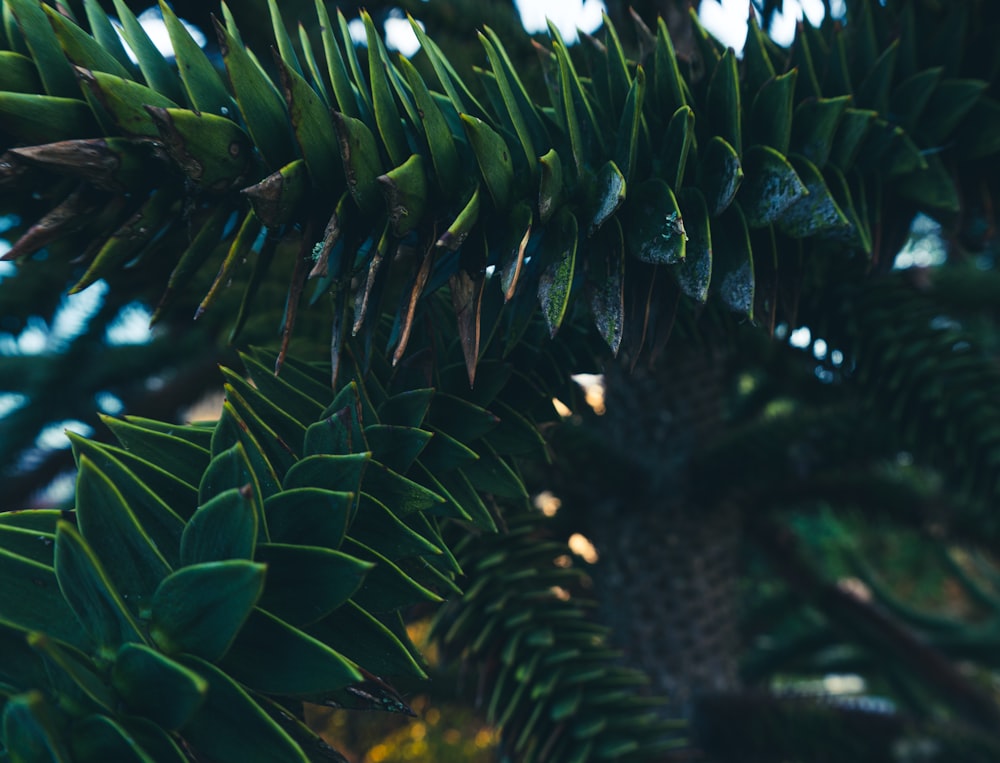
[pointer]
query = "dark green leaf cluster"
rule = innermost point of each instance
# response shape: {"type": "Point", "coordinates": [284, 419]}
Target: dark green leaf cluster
{"type": "Point", "coordinates": [547, 675]}
{"type": "Point", "coordinates": [647, 181]}
{"type": "Point", "coordinates": [213, 577]}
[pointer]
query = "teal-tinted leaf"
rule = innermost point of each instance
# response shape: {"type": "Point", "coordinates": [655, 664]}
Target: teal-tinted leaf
{"type": "Point", "coordinates": [157, 519]}
{"type": "Point", "coordinates": [362, 638]}
{"type": "Point", "coordinates": [733, 270]}
{"type": "Point", "coordinates": [223, 528]}
{"type": "Point", "coordinates": [54, 69]}
{"type": "Point", "coordinates": [979, 133]}
{"type": "Point", "coordinates": [377, 527]}
{"type": "Point", "coordinates": [815, 213]}
{"type": "Point", "coordinates": [550, 188]}
{"type": "Point", "coordinates": [951, 101]}
{"type": "Point", "coordinates": [492, 474]}
{"type": "Point", "coordinates": [609, 193]}
{"type": "Point", "coordinates": [386, 587]}
{"type": "Point", "coordinates": [655, 229]}
{"type": "Point", "coordinates": [167, 490]}
{"type": "Point", "coordinates": [360, 82]}
{"type": "Point", "coordinates": [909, 98]}
{"type": "Point", "coordinates": [724, 101]}
{"type": "Point", "coordinates": [212, 151]}
{"type": "Point", "coordinates": [285, 49]}
{"type": "Point", "coordinates": [770, 187]}
{"type": "Point", "coordinates": [756, 59]}
{"type": "Point", "coordinates": [30, 729]}
{"type": "Point", "coordinates": [406, 409]}
{"type": "Point", "coordinates": [40, 520]}
{"type": "Point", "coordinates": [694, 275]}
{"type": "Point", "coordinates": [153, 740]}
{"type": "Point", "coordinates": [91, 594]}
{"type": "Point", "coordinates": [467, 286]}
{"type": "Point", "coordinates": [262, 109]}
{"type": "Point", "coordinates": [362, 165]}
{"type": "Point", "coordinates": [181, 458]}
{"type": "Point", "coordinates": [627, 146]}
{"type": "Point", "coordinates": [257, 434]}
{"type": "Point", "coordinates": [309, 516]}
{"type": "Point", "coordinates": [242, 245]}
{"type": "Point", "coordinates": [269, 655]}
{"type": "Point", "coordinates": [395, 446]}
{"type": "Point", "coordinates": [721, 175]}
{"type": "Point", "coordinates": [584, 134]}
{"type": "Point", "coordinates": [159, 75]}
{"type": "Point", "coordinates": [82, 49]}
{"type": "Point", "coordinates": [313, 130]}
{"type": "Point", "coordinates": [231, 726]}
{"type": "Point", "coordinates": [518, 105]}
{"type": "Point", "coordinates": [386, 114]}
{"type": "Point", "coordinates": [605, 287]}
{"type": "Point", "coordinates": [199, 609]}
{"type": "Point", "coordinates": [128, 554]}
{"type": "Point", "coordinates": [28, 543]}
{"type": "Point", "coordinates": [196, 435]}
{"type": "Point", "coordinates": [205, 89]}
{"type": "Point", "coordinates": [128, 240]}
{"type": "Point", "coordinates": [312, 65]}
{"type": "Point", "coordinates": [269, 410]}
{"type": "Point", "coordinates": [401, 495]}
{"type": "Point", "coordinates": [512, 245]}
{"type": "Point", "coordinates": [42, 119]}
{"type": "Point", "coordinates": [815, 125]}
{"type": "Point", "coordinates": [338, 433]}
{"type": "Point", "coordinates": [155, 687]}
{"type": "Point", "coordinates": [444, 452]}
{"type": "Point", "coordinates": [873, 93]}
{"type": "Point", "coordinates": [278, 198]}
{"type": "Point", "coordinates": [668, 85]}
{"type": "Point", "coordinates": [494, 159]}
{"type": "Point", "coordinates": [296, 402]}
{"type": "Point", "coordinates": [465, 498]}
{"type": "Point", "coordinates": [461, 419]}
{"type": "Point", "coordinates": [73, 673]}
{"type": "Point", "coordinates": [125, 102]}
{"type": "Point", "coordinates": [228, 470]}
{"type": "Point", "coordinates": [932, 188]}
{"type": "Point", "coordinates": [516, 435]}
{"type": "Point", "coordinates": [306, 583]}
{"type": "Point", "coordinates": [771, 112]}
{"type": "Point", "coordinates": [406, 194]}
{"type": "Point", "coordinates": [444, 154]}
{"type": "Point", "coordinates": [676, 145]}
{"type": "Point", "coordinates": [453, 238]}
{"type": "Point", "coordinates": [453, 85]}
{"type": "Point", "coordinates": [857, 234]}
{"type": "Point", "coordinates": [18, 73]}
{"type": "Point", "coordinates": [558, 253]}
{"type": "Point", "coordinates": [343, 89]}
{"type": "Point", "coordinates": [854, 127]}
{"type": "Point", "coordinates": [340, 473]}
{"type": "Point", "coordinates": [98, 737]}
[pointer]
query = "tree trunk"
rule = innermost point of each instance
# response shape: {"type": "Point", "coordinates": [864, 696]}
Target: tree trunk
{"type": "Point", "coordinates": [668, 567]}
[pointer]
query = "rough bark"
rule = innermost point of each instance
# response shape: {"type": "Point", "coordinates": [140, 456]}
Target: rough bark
{"type": "Point", "coordinates": [669, 568]}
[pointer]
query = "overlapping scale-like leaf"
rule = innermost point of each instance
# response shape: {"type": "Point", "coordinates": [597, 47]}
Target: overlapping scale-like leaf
{"type": "Point", "coordinates": [272, 569]}
{"type": "Point", "coordinates": [874, 111]}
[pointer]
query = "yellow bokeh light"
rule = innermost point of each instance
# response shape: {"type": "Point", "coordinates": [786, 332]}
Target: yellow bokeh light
{"type": "Point", "coordinates": [582, 547]}
{"type": "Point", "coordinates": [547, 503]}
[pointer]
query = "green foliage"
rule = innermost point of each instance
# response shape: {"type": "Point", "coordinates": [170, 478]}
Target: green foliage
{"type": "Point", "coordinates": [802, 148]}
{"type": "Point", "coordinates": [211, 579]}
{"type": "Point", "coordinates": [548, 676]}
{"type": "Point", "coordinates": [199, 616]}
